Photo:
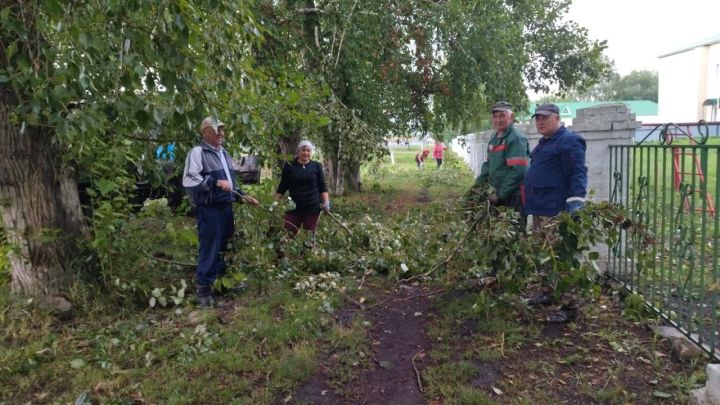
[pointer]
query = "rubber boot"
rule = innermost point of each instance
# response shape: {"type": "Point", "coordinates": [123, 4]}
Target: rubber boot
{"type": "Point", "coordinates": [205, 298]}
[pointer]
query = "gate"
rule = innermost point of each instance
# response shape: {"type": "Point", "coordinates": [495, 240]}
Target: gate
{"type": "Point", "coordinates": [670, 188]}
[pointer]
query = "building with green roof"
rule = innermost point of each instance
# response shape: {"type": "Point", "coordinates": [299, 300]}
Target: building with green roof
{"type": "Point", "coordinates": [645, 110]}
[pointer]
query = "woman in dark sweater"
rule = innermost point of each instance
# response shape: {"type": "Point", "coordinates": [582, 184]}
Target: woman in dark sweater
{"type": "Point", "coordinates": [305, 180]}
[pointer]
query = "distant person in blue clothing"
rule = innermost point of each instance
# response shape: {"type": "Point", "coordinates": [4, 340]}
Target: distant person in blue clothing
{"type": "Point", "coordinates": [556, 181]}
{"type": "Point", "coordinates": [165, 152]}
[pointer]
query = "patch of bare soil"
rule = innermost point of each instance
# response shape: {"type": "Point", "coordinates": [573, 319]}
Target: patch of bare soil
{"type": "Point", "coordinates": [601, 358]}
{"type": "Point", "coordinates": [398, 322]}
{"type": "Point", "coordinates": [423, 196]}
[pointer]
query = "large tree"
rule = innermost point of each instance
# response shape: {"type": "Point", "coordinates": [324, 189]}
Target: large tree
{"type": "Point", "coordinates": [638, 85]}
{"type": "Point", "coordinates": [396, 67]}
{"type": "Point", "coordinates": [85, 87]}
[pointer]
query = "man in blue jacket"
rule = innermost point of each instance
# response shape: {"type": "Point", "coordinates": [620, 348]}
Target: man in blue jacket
{"type": "Point", "coordinates": [209, 180]}
{"type": "Point", "coordinates": [556, 181]}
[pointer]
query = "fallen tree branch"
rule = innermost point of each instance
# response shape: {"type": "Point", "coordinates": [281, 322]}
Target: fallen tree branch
{"type": "Point", "coordinates": [362, 281]}
{"type": "Point", "coordinates": [375, 304]}
{"type": "Point", "coordinates": [420, 295]}
{"type": "Point", "coordinates": [354, 301]}
{"type": "Point", "coordinates": [452, 254]}
{"type": "Point", "coordinates": [168, 261]}
{"type": "Point", "coordinates": [417, 373]}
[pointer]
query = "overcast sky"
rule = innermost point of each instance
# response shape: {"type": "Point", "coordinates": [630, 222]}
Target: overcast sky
{"type": "Point", "coordinates": [638, 31]}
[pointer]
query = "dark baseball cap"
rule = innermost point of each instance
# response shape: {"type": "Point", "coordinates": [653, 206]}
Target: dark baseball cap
{"type": "Point", "coordinates": [546, 109]}
{"type": "Point", "coordinates": [501, 106]}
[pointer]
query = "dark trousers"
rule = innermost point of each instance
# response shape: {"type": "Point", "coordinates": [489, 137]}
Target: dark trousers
{"type": "Point", "coordinates": [514, 202]}
{"type": "Point", "coordinates": [294, 221]}
{"type": "Point", "coordinates": [215, 227]}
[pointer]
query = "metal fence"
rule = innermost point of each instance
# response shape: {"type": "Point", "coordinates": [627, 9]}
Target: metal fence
{"type": "Point", "coordinates": [646, 131]}
{"type": "Point", "coordinates": [670, 256]}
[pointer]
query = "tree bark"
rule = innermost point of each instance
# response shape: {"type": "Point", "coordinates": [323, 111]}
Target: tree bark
{"type": "Point", "coordinates": [334, 178]}
{"type": "Point", "coordinates": [40, 207]}
{"type": "Point", "coordinates": [352, 178]}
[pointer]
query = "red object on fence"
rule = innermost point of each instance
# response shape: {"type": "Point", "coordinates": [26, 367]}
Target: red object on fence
{"type": "Point", "coordinates": [679, 169]}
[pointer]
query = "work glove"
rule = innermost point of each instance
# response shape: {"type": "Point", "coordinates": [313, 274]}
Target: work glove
{"type": "Point", "coordinates": [325, 206]}
{"type": "Point", "coordinates": [574, 206]}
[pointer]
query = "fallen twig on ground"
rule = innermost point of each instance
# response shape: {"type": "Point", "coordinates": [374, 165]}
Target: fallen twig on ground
{"type": "Point", "coordinates": [417, 373]}
{"type": "Point", "coordinates": [168, 261]}
{"type": "Point", "coordinates": [420, 295]}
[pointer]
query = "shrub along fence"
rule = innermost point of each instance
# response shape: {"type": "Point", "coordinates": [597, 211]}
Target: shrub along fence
{"type": "Point", "coordinates": [670, 187]}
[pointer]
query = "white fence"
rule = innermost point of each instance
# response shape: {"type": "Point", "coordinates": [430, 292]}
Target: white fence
{"type": "Point", "coordinates": [471, 148]}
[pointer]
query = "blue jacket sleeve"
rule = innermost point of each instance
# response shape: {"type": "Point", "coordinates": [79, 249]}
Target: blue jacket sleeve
{"type": "Point", "coordinates": [574, 167]}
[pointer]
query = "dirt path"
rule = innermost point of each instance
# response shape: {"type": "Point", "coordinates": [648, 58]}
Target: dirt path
{"type": "Point", "coordinates": [398, 338]}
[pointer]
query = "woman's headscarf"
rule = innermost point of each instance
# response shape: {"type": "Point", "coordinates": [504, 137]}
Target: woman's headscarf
{"type": "Point", "coordinates": [303, 144]}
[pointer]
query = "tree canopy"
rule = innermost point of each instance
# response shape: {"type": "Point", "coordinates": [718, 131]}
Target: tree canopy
{"type": "Point", "coordinates": [100, 84]}
{"type": "Point", "coordinates": [637, 85]}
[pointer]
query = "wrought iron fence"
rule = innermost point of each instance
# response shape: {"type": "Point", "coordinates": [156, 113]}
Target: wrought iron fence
{"type": "Point", "coordinates": [670, 187]}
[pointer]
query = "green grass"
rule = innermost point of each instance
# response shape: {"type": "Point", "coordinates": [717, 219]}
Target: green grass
{"type": "Point", "coordinates": [679, 232]}
{"type": "Point", "coordinates": [267, 347]}
{"type": "Point", "coordinates": [404, 178]}
{"type": "Point", "coordinates": [267, 341]}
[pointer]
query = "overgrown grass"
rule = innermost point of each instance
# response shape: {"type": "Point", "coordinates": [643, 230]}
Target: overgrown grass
{"type": "Point", "coordinates": [506, 355]}
{"type": "Point", "coordinates": [404, 178]}
{"type": "Point", "coordinates": [258, 347]}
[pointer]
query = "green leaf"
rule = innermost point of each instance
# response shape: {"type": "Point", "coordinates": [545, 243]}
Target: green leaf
{"type": "Point", "coordinates": [386, 364]}
{"type": "Point", "coordinates": [4, 79]}
{"type": "Point", "coordinates": [11, 50]}
{"type": "Point", "coordinates": [77, 363]}
{"type": "Point", "coordinates": [593, 255]}
{"type": "Point", "coordinates": [83, 38]}
{"type": "Point", "coordinates": [323, 121]}
{"type": "Point", "coordinates": [661, 394]}
{"type": "Point", "coordinates": [106, 186]}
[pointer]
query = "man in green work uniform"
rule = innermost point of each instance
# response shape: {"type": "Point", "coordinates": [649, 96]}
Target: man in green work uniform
{"type": "Point", "coordinates": [504, 170]}
{"type": "Point", "coordinates": [507, 160]}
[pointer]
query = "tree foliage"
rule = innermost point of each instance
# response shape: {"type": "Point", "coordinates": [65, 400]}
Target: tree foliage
{"type": "Point", "coordinates": [107, 81]}
{"type": "Point", "coordinates": [411, 66]}
{"type": "Point", "coordinates": [637, 85]}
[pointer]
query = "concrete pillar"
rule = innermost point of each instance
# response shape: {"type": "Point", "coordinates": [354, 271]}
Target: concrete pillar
{"type": "Point", "coordinates": [710, 393]}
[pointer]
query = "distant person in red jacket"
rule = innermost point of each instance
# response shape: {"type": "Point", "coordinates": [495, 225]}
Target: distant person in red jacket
{"type": "Point", "coordinates": [438, 152]}
{"type": "Point", "coordinates": [420, 158]}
